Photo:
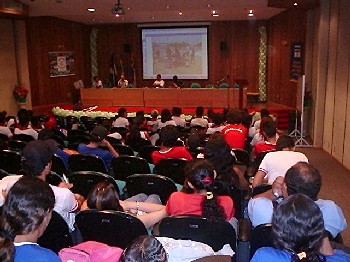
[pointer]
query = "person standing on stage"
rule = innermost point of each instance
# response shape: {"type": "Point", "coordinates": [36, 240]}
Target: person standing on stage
{"type": "Point", "coordinates": [159, 83]}
{"type": "Point", "coordinates": [122, 83]}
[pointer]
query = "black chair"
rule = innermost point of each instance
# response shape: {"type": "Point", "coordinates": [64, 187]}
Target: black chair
{"type": "Point", "coordinates": [121, 130]}
{"type": "Point", "coordinates": [75, 140]}
{"type": "Point", "coordinates": [242, 156]}
{"type": "Point", "coordinates": [84, 162]}
{"type": "Point", "coordinates": [4, 137]}
{"type": "Point", "coordinates": [261, 236]}
{"type": "Point", "coordinates": [10, 161]}
{"type": "Point", "coordinates": [173, 168]}
{"type": "Point", "coordinates": [70, 121]}
{"type": "Point", "coordinates": [23, 137]}
{"type": "Point", "coordinates": [3, 174]}
{"type": "Point", "coordinates": [84, 181]}
{"type": "Point", "coordinates": [56, 236]}
{"type": "Point", "coordinates": [150, 184]}
{"type": "Point", "coordinates": [110, 227]}
{"type": "Point", "coordinates": [125, 166]}
{"type": "Point", "coordinates": [123, 150]}
{"type": "Point", "coordinates": [58, 165]}
{"type": "Point", "coordinates": [215, 234]}
{"type": "Point", "coordinates": [16, 145]}
{"type": "Point", "coordinates": [146, 151]}
{"type": "Point", "coordinates": [137, 143]}
{"type": "Point", "coordinates": [54, 179]}
{"type": "Point", "coordinates": [113, 140]}
{"type": "Point", "coordinates": [258, 159]}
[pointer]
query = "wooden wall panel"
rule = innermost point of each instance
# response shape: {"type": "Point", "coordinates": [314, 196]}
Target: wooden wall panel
{"type": "Point", "coordinates": [47, 34]}
{"type": "Point", "coordinates": [284, 29]}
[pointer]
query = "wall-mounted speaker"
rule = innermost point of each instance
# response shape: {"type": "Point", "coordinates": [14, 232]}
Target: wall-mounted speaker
{"type": "Point", "coordinates": [223, 46]}
{"type": "Point", "coordinates": [127, 48]}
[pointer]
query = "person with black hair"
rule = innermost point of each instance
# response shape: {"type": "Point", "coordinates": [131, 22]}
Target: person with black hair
{"type": "Point", "coordinates": [168, 148]}
{"type": "Point", "coordinates": [277, 163]}
{"type": "Point", "coordinates": [145, 249]}
{"type": "Point", "coordinates": [235, 133]}
{"type": "Point", "coordinates": [3, 128]}
{"type": "Point", "coordinates": [179, 121]}
{"type": "Point", "coordinates": [159, 82]}
{"type": "Point", "coordinates": [298, 234]}
{"type": "Point", "coordinates": [165, 119]}
{"type": "Point", "coordinates": [23, 126]}
{"type": "Point", "coordinates": [200, 199]}
{"type": "Point", "coordinates": [217, 125]}
{"type": "Point", "coordinates": [199, 119]}
{"type": "Point", "coordinates": [25, 215]}
{"type": "Point", "coordinates": [98, 138]}
{"type": "Point", "coordinates": [269, 132]}
{"type": "Point", "coordinates": [96, 82]}
{"type": "Point", "coordinates": [177, 83]}
{"type": "Point", "coordinates": [121, 119]}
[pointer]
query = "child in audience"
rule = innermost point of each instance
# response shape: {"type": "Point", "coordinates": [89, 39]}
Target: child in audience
{"type": "Point", "coordinates": [105, 197]}
{"type": "Point", "coordinates": [24, 218]}
{"type": "Point", "coordinates": [145, 249]}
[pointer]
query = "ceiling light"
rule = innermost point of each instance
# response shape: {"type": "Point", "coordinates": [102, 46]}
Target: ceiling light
{"type": "Point", "coordinates": [91, 10]}
{"type": "Point", "coordinates": [180, 13]}
{"type": "Point", "coordinates": [214, 13]}
{"type": "Point", "coordinates": [250, 13]}
{"type": "Point", "coordinates": [295, 3]}
{"type": "Point", "coordinates": [168, 6]}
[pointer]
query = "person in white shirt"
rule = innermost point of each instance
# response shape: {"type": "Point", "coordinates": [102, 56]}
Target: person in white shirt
{"type": "Point", "coordinates": [177, 111]}
{"type": "Point", "coordinates": [121, 120]}
{"type": "Point", "coordinates": [122, 83]}
{"type": "Point", "coordinates": [199, 119]}
{"type": "Point", "coordinates": [159, 83]}
{"type": "Point", "coordinates": [23, 124]}
{"type": "Point", "coordinates": [97, 82]}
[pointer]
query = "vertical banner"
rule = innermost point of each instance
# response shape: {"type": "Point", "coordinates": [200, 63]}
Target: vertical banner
{"type": "Point", "coordinates": [61, 64]}
{"type": "Point", "coordinates": [296, 61]}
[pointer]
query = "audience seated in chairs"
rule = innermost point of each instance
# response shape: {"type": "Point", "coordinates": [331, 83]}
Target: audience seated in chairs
{"type": "Point", "coordinates": [217, 124]}
{"type": "Point", "coordinates": [3, 128]}
{"type": "Point", "coordinates": [168, 148]}
{"type": "Point", "coordinates": [300, 178]}
{"type": "Point", "coordinates": [277, 163]}
{"type": "Point", "coordinates": [121, 119]}
{"type": "Point", "coordinates": [235, 133]}
{"type": "Point", "coordinates": [97, 137]}
{"type": "Point", "coordinates": [137, 137]}
{"type": "Point", "coordinates": [23, 126]}
{"type": "Point", "coordinates": [25, 216]}
{"type": "Point", "coordinates": [199, 119]}
{"type": "Point", "coordinates": [179, 121]}
{"type": "Point", "coordinates": [269, 132]}
{"type": "Point", "coordinates": [165, 119]}
{"type": "Point", "coordinates": [145, 249]}
{"type": "Point", "coordinates": [105, 197]}
{"type": "Point", "coordinates": [298, 234]}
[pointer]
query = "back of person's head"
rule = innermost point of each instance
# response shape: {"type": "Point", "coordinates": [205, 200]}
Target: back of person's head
{"type": "Point", "coordinates": [98, 133]}
{"type": "Point", "coordinates": [175, 78]}
{"type": "Point", "coordinates": [95, 78]}
{"type": "Point", "coordinates": [145, 249]}
{"type": "Point", "coordinates": [36, 122]}
{"type": "Point", "coordinates": [169, 135]}
{"type": "Point", "coordinates": [199, 111]}
{"type": "Point", "coordinates": [159, 76]}
{"type": "Point", "coordinates": [217, 118]}
{"type": "Point", "coordinates": [200, 174]}
{"type": "Point", "coordinates": [104, 196]}
{"type": "Point", "coordinates": [177, 111]}
{"type": "Point", "coordinates": [268, 127]}
{"type": "Point", "coordinates": [165, 115]}
{"type": "Point", "coordinates": [154, 113]}
{"type": "Point", "coordinates": [23, 117]}
{"type": "Point", "coordinates": [122, 112]}
{"type": "Point", "coordinates": [298, 227]}
{"type": "Point", "coordinates": [234, 116]}
{"type": "Point", "coordinates": [264, 113]}
{"type": "Point", "coordinates": [247, 119]}
{"type": "Point", "coordinates": [27, 208]}
{"type": "Point", "coordinates": [303, 178]}
{"type": "Point", "coordinates": [37, 155]}
{"type": "Point", "coordinates": [284, 141]}
{"type": "Point", "coordinates": [46, 133]}
{"type": "Point", "coordinates": [140, 113]}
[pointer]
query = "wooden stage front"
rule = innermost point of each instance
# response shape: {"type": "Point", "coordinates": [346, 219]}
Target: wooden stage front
{"type": "Point", "coordinates": [164, 97]}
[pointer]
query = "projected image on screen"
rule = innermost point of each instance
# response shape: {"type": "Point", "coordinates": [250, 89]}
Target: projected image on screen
{"type": "Point", "coordinates": [176, 51]}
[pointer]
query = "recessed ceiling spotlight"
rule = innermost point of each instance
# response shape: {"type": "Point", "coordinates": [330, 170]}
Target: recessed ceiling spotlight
{"type": "Point", "coordinates": [214, 13]}
{"type": "Point", "coordinates": [91, 10]}
{"type": "Point", "coordinates": [117, 15]}
{"type": "Point", "coordinates": [180, 13]}
{"type": "Point", "coordinates": [168, 7]}
{"type": "Point", "coordinates": [250, 13]}
{"type": "Point", "coordinates": [295, 3]}
{"type": "Point", "coordinates": [128, 8]}
{"type": "Point", "coordinates": [209, 5]}
{"type": "Point", "coordinates": [153, 17]}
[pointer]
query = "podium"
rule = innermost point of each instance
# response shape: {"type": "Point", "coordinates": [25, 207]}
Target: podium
{"type": "Point", "coordinates": [240, 83]}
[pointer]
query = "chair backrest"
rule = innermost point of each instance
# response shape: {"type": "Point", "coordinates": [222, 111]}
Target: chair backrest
{"type": "Point", "coordinates": [56, 235]}
{"type": "Point", "coordinates": [261, 236]}
{"type": "Point", "coordinates": [242, 156]}
{"type": "Point", "coordinates": [4, 137]}
{"type": "Point", "coordinates": [195, 85]}
{"type": "Point", "coordinates": [23, 137]}
{"type": "Point", "coordinates": [224, 85]}
{"type": "Point", "coordinates": [58, 165]}
{"type": "Point", "coordinates": [125, 166]}
{"type": "Point", "coordinates": [215, 234]}
{"type": "Point", "coordinates": [150, 184]}
{"type": "Point", "coordinates": [209, 86]}
{"type": "Point", "coordinates": [84, 162]}
{"type": "Point", "coordinates": [146, 151]}
{"type": "Point", "coordinates": [3, 173]}
{"type": "Point", "coordinates": [173, 168]}
{"type": "Point", "coordinates": [16, 145]}
{"type": "Point", "coordinates": [75, 140]}
{"type": "Point", "coordinates": [123, 150]}
{"type": "Point", "coordinates": [10, 161]}
{"type": "Point", "coordinates": [54, 179]}
{"type": "Point", "coordinates": [84, 181]}
{"type": "Point", "coordinates": [258, 159]}
{"type": "Point", "coordinates": [121, 130]}
{"type": "Point", "coordinates": [114, 228]}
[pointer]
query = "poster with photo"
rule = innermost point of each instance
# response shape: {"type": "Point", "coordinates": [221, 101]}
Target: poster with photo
{"type": "Point", "coordinates": [61, 64]}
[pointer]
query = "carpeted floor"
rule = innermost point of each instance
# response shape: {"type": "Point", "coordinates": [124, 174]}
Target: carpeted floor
{"type": "Point", "coordinates": [335, 182]}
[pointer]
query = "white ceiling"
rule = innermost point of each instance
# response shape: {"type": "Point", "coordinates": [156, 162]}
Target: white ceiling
{"type": "Point", "coordinates": [150, 11]}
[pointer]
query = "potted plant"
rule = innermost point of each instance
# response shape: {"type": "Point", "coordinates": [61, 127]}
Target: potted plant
{"type": "Point", "coordinates": [20, 93]}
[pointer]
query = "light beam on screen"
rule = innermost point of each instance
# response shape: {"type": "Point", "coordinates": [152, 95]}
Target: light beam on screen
{"type": "Point", "coordinates": [175, 51]}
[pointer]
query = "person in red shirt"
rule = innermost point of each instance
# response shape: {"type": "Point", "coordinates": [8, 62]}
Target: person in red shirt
{"type": "Point", "coordinates": [268, 130]}
{"type": "Point", "coordinates": [235, 133]}
{"type": "Point", "coordinates": [200, 199]}
{"type": "Point", "coordinates": [168, 148]}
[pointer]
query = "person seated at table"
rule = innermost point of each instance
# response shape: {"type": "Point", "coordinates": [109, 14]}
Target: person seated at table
{"type": "Point", "coordinates": [159, 82]}
{"type": "Point", "coordinates": [98, 138]}
{"type": "Point", "coordinates": [122, 83]}
{"type": "Point", "coordinates": [200, 199]}
{"type": "Point", "coordinates": [298, 234]}
{"type": "Point", "coordinates": [121, 119]}
{"type": "Point", "coordinates": [97, 82]}
{"type": "Point", "coordinates": [104, 196]}
{"type": "Point", "coordinates": [168, 148]}
{"type": "Point", "coordinates": [177, 83]}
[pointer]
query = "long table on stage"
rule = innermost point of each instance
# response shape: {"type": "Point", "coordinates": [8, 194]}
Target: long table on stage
{"type": "Point", "coordinates": [165, 97]}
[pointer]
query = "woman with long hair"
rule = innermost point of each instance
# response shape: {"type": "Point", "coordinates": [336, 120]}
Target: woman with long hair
{"type": "Point", "coordinates": [25, 215]}
{"type": "Point", "coordinates": [298, 234]}
{"type": "Point", "coordinates": [200, 198]}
